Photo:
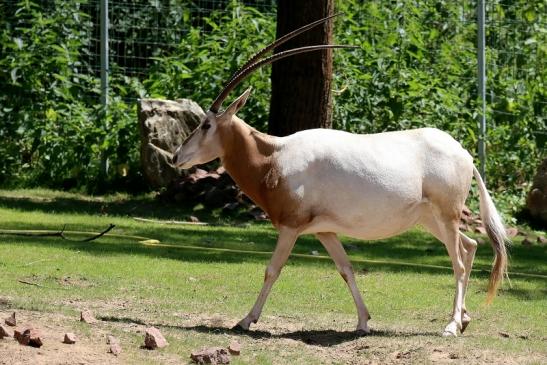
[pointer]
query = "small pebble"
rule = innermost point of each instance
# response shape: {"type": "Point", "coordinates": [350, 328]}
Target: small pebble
{"type": "Point", "coordinates": [11, 321]}
{"type": "Point", "coordinates": [153, 339]}
{"type": "Point", "coordinates": [70, 338]}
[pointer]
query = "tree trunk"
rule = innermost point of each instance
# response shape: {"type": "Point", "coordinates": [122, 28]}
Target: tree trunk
{"type": "Point", "coordinates": [301, 97]}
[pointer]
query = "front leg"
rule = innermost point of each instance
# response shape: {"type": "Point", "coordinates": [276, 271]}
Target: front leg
{"type": "Point", "coordinates": [285, 243]}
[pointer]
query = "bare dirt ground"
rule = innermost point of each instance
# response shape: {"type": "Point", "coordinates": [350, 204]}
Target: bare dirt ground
{"type": "Point", "coordinates": [278, 340]}
{"type": "Point", "coordinates": [90, 348]}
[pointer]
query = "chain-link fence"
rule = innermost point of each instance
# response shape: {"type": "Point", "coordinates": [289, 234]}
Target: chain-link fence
{"type": "Point", "coordinates": [144, 34]}
{"type": "Point", "coordinates": [142, 29]}
{"type": "Point", "coordinates": [516, 45]}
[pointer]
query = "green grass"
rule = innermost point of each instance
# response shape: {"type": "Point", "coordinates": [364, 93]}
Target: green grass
{"type": "Point", "coordinates": [200, 280]}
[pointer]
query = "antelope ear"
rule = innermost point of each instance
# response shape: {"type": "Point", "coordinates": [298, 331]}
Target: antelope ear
{"type": "Point", "coordinates": [238, 103]}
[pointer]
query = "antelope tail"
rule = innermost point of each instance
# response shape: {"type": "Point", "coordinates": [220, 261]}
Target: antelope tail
{"type": "Point", "coordinates": [497, 234]}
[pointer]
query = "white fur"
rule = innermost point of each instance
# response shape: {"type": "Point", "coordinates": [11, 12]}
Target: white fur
{"type": "Point", "coordinates": [368, 186]}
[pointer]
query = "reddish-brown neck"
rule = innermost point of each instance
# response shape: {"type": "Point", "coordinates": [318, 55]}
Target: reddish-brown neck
{"type": "Point", "coordinates": [247, 158]}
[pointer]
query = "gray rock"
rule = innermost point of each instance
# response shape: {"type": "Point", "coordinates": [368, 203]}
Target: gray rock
{"type": "Point", "coordinates": [536, 201]}
{"type": "Point", "coordinates": [164, 124]}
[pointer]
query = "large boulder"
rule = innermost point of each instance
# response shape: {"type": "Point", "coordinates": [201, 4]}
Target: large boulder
{"type": "Point", "coordinates": [165, 124]}
{"type": "Point", "coordinates": [536, 202]}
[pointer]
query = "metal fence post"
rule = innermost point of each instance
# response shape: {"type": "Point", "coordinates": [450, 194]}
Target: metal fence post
{"type": "Point", "coordinates": [104, 74]}
{"type": "Point", "coordinates": [481, 60]}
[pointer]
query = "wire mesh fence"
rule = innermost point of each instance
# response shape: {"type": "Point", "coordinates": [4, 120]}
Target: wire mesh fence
{"type": "Point", "coordinates": [516, 38]}
{"type": "Point", "coordinates": [141, 30]}
{"type": "Point", "coordinates": [145, 37]}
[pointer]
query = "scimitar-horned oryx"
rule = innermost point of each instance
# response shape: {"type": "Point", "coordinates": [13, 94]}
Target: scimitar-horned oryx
{"type": "Point", "coordinates": [328, 182]}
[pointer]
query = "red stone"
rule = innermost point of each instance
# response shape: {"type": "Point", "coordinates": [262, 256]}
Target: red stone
{"type": "Point", "coordinates": [70, 338]}
{"type": "Point", "coordinates": [512, 232]}
{"type": "Point", "coordinates": [153, 339]}
{"type": "Point", "coordinates": [234, 348]}
{"type": "Point", "coordinates": [527, 242]}
{"type": "Point", "coordinates": [480, 229]}
{"type": "Point", "coordinates": [87, 317]}
{"type": "Point", "coordinates": [29, 337]}
{"type": "Point", "coordinates": [466, 211]}
{"type": "Point", "coordinates": [5, 332]}
{"type": "Point", "coordinates": [213, 355]}
{"type": "Point", "coordinates": [11, 321]}
{"type": "Point", "coordinates": [115, 347]}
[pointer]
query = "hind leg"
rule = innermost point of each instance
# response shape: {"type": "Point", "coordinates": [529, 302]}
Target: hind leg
{"type": "Point", "coordinates": [468, 249]}
{"type": "Point", "coordinates": [336, 251]}
{"type": "Point", "coordinates": [446, 230]}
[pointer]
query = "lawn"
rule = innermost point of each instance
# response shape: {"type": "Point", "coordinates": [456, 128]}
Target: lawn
{"type": "Point", "coordinates": [195, 282]}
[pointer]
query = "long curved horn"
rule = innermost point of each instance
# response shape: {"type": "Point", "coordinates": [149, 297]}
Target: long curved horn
{"type": "Point", "coordinates": [263, 62]}
{"type": "Point", "coordinates": [280, 41]}
{"type": "Point", "coordinates": [218, 101]}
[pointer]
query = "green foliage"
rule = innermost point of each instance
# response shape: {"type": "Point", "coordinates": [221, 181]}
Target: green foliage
{"type": "Point", "coordinates": [415, 66]}
{"type": "Point", "coordinates": [53, 130]}
{"type": "Point", "coordinates": [203, 62]}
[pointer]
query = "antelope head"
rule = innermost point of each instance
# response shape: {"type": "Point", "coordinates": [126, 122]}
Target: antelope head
{"type": "Point", "coordinates": [204, 143]}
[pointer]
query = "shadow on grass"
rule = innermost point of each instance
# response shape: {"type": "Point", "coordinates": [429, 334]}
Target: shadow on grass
{"type": "Point", "coordinates": [142, 207]}
{"type": "Point", "coordinates": [400, 259]}
{"type": "Point", "coordinates": [324, 338]}
{"type": "Point", "coordinates": [212, 254]}
{"type": "Point", "coordinates": [247, 245]}
{"type": "Point", "coordinates": [413, 246]}
{"type": "Point", "coordinates": [523, 294]}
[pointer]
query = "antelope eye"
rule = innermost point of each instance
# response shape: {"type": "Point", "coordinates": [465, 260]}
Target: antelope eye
{"type": "Point", "coordinates": [206, 126]}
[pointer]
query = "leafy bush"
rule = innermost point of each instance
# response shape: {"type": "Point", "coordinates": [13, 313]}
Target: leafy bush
{"type": "Point", "coordinates": [53, 129]}
{"type": "Point", "coordinates": [415, 66]}
{"type": "Point", "coordinates": [203, 62]}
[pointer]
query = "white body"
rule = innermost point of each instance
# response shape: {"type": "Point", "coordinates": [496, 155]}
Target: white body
{"type": "Point", "coordinates": [369, 186]}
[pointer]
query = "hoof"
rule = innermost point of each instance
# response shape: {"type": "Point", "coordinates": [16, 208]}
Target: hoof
{"type": "Point", "coordinates": [464, 326]}
{"type": "Point", "coordinates": [362, 330]}
{"type": "Point", "coordinates": [465, 322]}
{"type": "Point", "coordinates": [451, 329]}
{"type": "Point", "coordinates": [239, 328]}
{"type": "Point", "coordinates": [449, 334]}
